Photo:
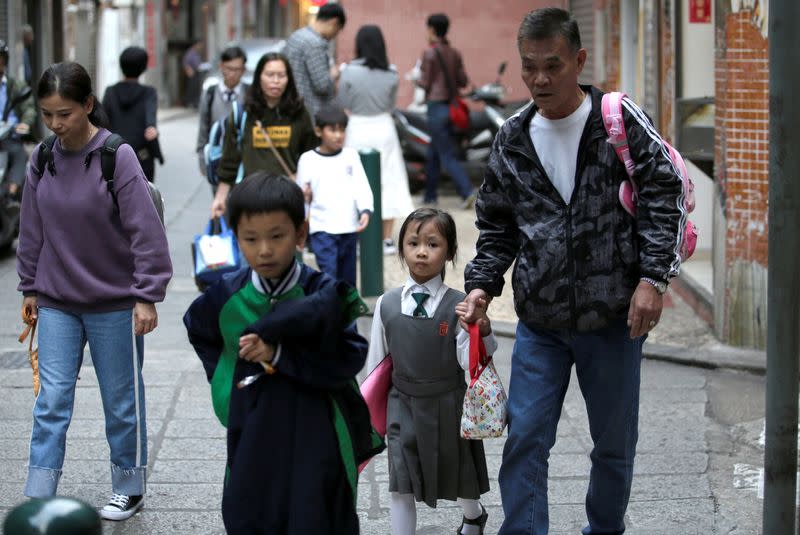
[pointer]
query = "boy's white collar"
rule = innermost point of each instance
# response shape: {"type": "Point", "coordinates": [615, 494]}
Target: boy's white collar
{"type": "Point", "coordinates": [277, 287]}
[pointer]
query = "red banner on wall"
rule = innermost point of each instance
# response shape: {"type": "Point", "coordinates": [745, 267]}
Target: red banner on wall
{"type": "Point", "coordinates": [700, 11]}
{"type": "Point", "coordinates": [150, 34]}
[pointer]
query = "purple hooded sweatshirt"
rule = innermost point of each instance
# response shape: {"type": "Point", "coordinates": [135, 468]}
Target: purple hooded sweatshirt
{"type": "Point", "coordinates": [77, 251]}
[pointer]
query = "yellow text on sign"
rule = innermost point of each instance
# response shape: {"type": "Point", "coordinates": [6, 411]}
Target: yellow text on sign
{"type": "Point", "coordinates": [280, 136]}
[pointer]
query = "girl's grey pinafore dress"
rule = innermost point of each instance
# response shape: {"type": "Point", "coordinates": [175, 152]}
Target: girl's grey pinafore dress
{"type": "Point", "coordinates": [427, 456]}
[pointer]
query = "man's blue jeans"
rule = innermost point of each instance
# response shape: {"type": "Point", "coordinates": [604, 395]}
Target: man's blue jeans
{"type": "Point", "coordinates": [608, 364]}
{"type": "Point", "coordinates": [62, 337]}
{"type": "Point", "coordinates": [442, 153]}
{"type": "Point", "coordinates": [336, 255]}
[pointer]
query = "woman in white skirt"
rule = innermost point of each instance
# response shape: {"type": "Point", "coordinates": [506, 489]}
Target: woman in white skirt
{"type": "Point", "coordinates": [368, 90]}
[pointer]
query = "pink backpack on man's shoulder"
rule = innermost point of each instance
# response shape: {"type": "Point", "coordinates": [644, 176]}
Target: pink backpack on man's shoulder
{"type": "Point", "coordinates": [628, 191]}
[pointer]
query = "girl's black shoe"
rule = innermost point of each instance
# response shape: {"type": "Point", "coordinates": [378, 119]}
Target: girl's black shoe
{"type": "Point", "coordinates": [480, 521]}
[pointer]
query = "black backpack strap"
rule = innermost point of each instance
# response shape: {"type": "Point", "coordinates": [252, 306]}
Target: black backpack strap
{"type": "Point", "coordinates": [9, 95]}
{"type": "Point", "coordinates": [45, 157]}
{"type": "Point", "coordinates": [108, 161]}
{"type": "Point", "coordinates": [210, 92]}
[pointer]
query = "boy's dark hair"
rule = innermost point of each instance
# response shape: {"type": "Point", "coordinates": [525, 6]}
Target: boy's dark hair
{"type": "Point", "coordinates": [232, 52]}
{"type": "Point", "coordinates": [444, 224]}
{"type": "Point", "coordinates": [133, 61]}
{"type": "Point", "coordinates": [263, 192]}
{"type": "Point", "coordinates": [332, 10]}
{"type": "Point", "coordinates": [547, 23]}
{"type": "Point", "coordinates": [330, 115]}
{"type": "Point", "coordinates": [440, 24]}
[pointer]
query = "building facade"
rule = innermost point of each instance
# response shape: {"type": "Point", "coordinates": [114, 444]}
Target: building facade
{"type": "Point", "coordinates": [700, 68]}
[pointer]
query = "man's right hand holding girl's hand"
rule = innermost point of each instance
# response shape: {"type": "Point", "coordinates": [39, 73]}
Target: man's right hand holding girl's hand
{"type": "Point", "coordinates": [476, 315]}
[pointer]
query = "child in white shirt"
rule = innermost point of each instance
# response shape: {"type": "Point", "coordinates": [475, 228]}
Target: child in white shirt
{"type": "Point", "coordinates": [336, 185]}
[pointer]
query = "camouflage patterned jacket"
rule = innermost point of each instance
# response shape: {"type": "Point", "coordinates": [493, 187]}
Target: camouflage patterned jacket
{"type": "Point", "coordinates": [577, 264]}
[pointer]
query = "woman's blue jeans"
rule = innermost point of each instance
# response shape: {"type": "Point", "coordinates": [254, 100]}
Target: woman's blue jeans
{"type": "Point", "coordinates": [442, 153]}
{"type": "Point", "coordinates": [608, 364]}
{"type": "Point", "coordinates": [62, 338]}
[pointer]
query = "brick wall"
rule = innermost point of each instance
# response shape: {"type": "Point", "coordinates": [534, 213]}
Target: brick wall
{"type": "Point", "coordinates": [741, 171]}
{"type": "Point", "coordinates": [484, 32]}
{"type": "Point", "coordinates": [742, 134]}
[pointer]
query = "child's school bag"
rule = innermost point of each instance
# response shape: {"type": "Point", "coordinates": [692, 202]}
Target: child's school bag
{"type": "Point", "coordinates": [212, 152]}
{"type": "Point", "coordinates": [628, 191]}
{"type": "Point", "coordinates": [108, 164]}
{"type": "Point", "coordinates": [484, 413]}
{"type": "Point", "coordinates": [214, 253]}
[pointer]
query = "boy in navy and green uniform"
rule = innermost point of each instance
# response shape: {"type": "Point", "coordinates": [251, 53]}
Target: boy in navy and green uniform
{"type": "Point", "coordinates": [297, 426]}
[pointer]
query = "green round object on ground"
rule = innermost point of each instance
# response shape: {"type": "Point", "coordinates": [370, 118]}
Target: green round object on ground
{"type": "Point", "coordinates": [51, 516]}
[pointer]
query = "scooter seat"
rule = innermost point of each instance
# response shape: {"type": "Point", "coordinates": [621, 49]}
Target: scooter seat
{"type": "Point", "coordinates": [478, 120]}
{"type": "Point", "coordinates": [415, 119]}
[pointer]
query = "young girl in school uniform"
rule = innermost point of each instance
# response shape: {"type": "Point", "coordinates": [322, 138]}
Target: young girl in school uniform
{"type": "Point", "coordinates": [418, 325]}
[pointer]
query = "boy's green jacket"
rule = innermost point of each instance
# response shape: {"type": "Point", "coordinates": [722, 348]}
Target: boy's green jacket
{"type": "Point", "coordinates": [320, 354]}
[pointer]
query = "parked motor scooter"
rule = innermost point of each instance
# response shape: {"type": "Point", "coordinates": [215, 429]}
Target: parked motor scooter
{"type": "Point", "coordinates": [473, 145]}
{"type": "Point", "coordinates": [9, 204]}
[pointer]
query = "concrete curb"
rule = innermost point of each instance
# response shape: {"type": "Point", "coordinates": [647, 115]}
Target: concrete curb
{"type": "Point", "coordinates": [717, 356]}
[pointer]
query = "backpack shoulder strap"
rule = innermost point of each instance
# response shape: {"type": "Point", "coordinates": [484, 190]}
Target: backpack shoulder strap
{"type": "Point", "coordinates": [210, 92]}
{"type": "Point", "coordinates": [9, 96]}
{"type": "Point", "coordinates": [611, 108]}
{"type": "Point", "coordinates": [45, 156]}
{"type": "Point", "coordinates": [239, 118]}
{"type": "Point", "coordinates": [108, 161]}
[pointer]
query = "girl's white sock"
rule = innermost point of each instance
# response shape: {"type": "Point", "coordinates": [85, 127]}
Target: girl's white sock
{"type": "Point", "coordinates": [403, 512]}
{"type": "Point", "coordinates": [472, 510]}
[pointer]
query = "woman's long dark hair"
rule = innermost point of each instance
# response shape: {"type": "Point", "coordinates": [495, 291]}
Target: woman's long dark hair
{"type": "Point", "coordinates": [290, 105]}
{"type": "Point", "coordinates": [371, 47]}
{"type": "Point", "coordinates": [71, 81]}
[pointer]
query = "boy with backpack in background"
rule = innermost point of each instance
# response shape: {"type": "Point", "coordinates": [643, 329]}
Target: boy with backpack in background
{"type": "Point", "coordinates": [131, 108]}
{"type": "Point", "coordinates": [336, 186]}
{"type": "Point", "coordinates": [217, 101]}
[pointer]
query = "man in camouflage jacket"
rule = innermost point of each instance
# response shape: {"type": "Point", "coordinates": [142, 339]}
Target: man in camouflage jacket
{"type": "Point", "coordinates": [588, 279]}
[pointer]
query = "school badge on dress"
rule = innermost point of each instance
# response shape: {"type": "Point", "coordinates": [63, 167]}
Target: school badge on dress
{"type": "Point", "coordinates": [443, 327]}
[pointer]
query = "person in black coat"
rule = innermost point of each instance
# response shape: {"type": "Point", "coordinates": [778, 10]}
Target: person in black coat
{"type": "Point", "coordinates": [297, 426]}
{"type": "Point", "coordinates": [131, 109]}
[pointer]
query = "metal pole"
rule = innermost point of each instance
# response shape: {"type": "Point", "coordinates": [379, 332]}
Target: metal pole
{"type": "Point", "coordinates": [372, 237]}
{"type": "Point", "coordinates": [783, 330]}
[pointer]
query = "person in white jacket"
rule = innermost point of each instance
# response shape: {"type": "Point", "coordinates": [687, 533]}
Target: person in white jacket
{"type": "Point", "coordinates": [341, 202]}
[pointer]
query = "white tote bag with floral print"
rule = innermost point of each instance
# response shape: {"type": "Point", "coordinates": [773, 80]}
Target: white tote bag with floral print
{"type": "Point", "coordinates": [484, 411]}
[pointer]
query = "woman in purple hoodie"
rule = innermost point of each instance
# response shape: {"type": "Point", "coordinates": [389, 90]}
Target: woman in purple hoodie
{"type": "Point", "coordinates": [91, 269]}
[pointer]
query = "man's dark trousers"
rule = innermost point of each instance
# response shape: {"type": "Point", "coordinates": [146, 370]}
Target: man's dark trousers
{"type": "Point", "coordinates": [607, 364]}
